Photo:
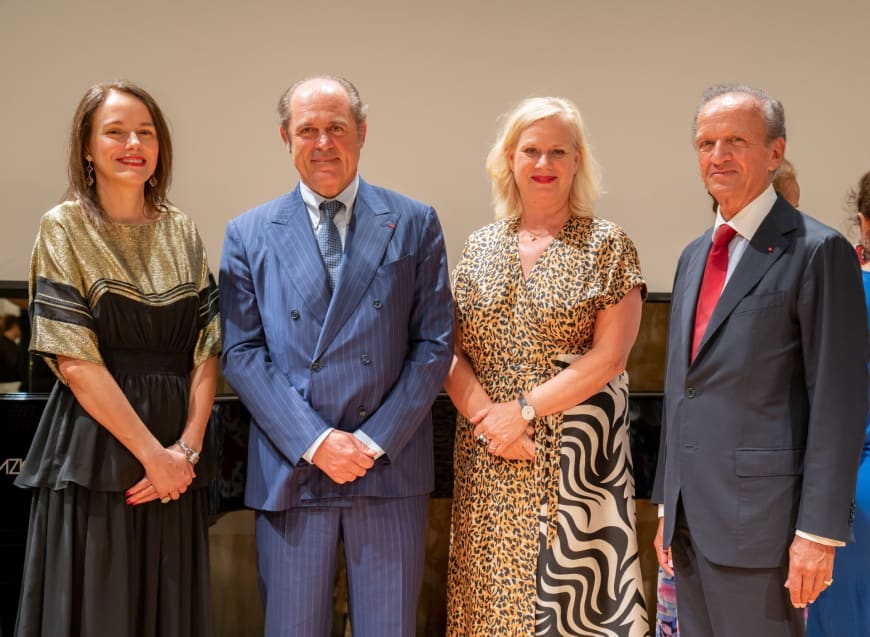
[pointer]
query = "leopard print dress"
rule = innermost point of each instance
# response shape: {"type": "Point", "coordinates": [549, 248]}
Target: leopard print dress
{"type": "Point", "coordinates": [545, 547]}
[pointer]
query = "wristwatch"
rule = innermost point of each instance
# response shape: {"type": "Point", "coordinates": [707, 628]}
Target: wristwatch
{"type": "Point", "coordinates": [526, 410]}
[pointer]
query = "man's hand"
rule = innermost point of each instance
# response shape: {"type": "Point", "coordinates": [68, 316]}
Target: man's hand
{"type": "Point", "coordinates": [663, 554]}
{"type": "Point", "coordinates": [343, 457]}
{"type": "Point", "coordinates": [810, 570]}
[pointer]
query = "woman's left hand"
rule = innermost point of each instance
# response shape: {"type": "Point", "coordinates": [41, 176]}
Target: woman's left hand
{"type": "Point", "coordinates": [523, 448]}
{"type": "Point", "coordinates": [145, 490]}
{"type": "Point", "coordinates": [500, 423]}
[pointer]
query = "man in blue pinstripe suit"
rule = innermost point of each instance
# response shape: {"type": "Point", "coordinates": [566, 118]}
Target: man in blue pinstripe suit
{"type": "Point", "coordinates": [337, 320]}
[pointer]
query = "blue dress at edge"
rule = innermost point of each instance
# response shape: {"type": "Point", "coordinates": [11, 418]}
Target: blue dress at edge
{"type": "Point", "coordinates": [843, 610]}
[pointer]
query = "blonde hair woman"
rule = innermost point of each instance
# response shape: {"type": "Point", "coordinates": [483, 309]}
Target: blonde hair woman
{"type": "Point", "coordinates": [548, 303]}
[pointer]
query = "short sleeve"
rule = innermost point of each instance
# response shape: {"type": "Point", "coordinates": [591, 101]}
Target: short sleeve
{"type": "Point", "coordinates": [460, 274]}
{"type": "Point", "coordinates": [618, 268]}
{"type": "Point", "coordinates": [62, 323]}
{"type": "Point", "coordinates": [208, 342]}
{"type": "Point", "coordinates": [478, 254]}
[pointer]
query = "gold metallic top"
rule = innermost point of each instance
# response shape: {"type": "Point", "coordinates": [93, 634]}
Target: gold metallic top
{"type": "Point", "coordinates": [76, 263]}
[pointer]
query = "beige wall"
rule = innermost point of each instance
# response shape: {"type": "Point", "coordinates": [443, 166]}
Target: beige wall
{"type": "Point", "coordinates": [435, 75]}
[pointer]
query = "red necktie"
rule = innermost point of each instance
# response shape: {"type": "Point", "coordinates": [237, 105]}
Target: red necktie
{"type": "Point", "coordinates": [712, 283]}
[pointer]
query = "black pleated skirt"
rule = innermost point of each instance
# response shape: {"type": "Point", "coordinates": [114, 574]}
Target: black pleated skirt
{"type": "Point", "coordinates": [98, 567]}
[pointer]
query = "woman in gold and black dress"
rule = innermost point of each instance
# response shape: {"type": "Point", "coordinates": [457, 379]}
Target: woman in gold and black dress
{"type": "Point", "coordinates": [124, 310]}
{"type": "Point", "coordinates": [548, 303]}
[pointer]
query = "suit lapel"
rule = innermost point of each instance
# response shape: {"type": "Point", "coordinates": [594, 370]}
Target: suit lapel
{"type": "Point", "coordinates": [291, 237]}
{"type": "Point", "coordinates": [766, 247]}
{"type": "Point", "coordinates": [371, 227]}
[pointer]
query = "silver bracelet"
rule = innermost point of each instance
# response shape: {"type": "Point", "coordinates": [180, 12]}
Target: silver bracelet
{"type": "Point", "coordinates": [188, 451]}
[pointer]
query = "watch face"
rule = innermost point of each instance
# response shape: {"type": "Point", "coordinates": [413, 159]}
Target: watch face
{"type": "Point", "coordinates": [528, 412]}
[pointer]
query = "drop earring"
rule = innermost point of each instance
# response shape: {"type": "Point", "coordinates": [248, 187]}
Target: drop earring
{"type": "Point", "coordinates": [152, 181]}
{"type": "Point", "coordinates": [89, 172]}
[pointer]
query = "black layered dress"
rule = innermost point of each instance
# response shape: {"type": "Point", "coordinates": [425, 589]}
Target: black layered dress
{"type": "Point", "coordinates": [139, 299]}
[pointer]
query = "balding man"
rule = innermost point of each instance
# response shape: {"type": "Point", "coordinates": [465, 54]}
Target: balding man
{"type": "Point", "coordinates": [338, 335]}
{"type": "Point", "coordinates": [765, 390]}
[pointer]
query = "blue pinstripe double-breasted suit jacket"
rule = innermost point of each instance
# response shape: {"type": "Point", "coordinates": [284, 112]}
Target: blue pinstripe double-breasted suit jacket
{"type": "Point", "coordinates": [372, 355]}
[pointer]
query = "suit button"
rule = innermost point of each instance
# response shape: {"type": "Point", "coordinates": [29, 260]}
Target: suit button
{"type": "Point", "coordinates": [365, 360]}
{"type": "Point", "coordinates": [315, 366]}
{"type": "Point", "coordinates": [294, 314]}
{"type": "Point", "coordinates": [361, 412]}
{"type": "Point", "coordinates": [690, 392]}
{"type": "Point", "coordinates": [377, 304]}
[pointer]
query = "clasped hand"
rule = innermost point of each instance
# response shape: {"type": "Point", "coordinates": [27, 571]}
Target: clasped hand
{"type": "Point", "coordinates": [510, 435]}
{"type": "Point", "coordinates": [168, 474]}
{"type": "Point", "coordinates": [343, 457]}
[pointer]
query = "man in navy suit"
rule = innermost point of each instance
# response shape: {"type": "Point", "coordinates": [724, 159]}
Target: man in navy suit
{"type": "Point", "coordinates": [337, 319]}
{"type": "Point", "coordinates": [765, 390]}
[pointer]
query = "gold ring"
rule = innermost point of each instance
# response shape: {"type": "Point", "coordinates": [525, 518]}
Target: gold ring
{"type": "Point", "coordinates": [165, 500]}
{"type": "Point", "coordinates": [828, 582]}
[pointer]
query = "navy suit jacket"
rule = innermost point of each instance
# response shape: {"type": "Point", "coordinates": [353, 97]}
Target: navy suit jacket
{"type": "Point", "coordinates": [372, 355]}
{"type": "Point", "coordinates": [762, 432]}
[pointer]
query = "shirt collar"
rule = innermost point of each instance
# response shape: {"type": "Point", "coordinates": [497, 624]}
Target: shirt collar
{"type": "Point", "coordinates": [313, 200]}
{"type": "Point", "coordinates": [747, 220]}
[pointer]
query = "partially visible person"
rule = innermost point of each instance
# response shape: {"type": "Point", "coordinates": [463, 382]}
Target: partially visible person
{"type": "Point", "coordinates": [666, 606]}
{"type": "Point", "coordinates": [785, 182]}
{"type": "Point", "coordinates": [339, 332]}
{"type": "Point", "coordinates": [548, 304]}
{"type": "Point", "coordinates": [765, 390]}
{"type": "Point", "coordinates": [844, 608]}
{"type": "Point", "coordinates": [12, 368]}
{"type": "Point", "coordinates": [124, 310]}
{"type": "Point", "coordinates": [859, 198]}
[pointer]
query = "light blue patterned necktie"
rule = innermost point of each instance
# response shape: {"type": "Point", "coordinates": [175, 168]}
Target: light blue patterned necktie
{"type": "Point", "coordinates": [328, 239]}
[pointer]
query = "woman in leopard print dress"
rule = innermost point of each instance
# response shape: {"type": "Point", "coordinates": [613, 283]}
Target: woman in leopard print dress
{"type": "Point", "coordinates": [548, 302]}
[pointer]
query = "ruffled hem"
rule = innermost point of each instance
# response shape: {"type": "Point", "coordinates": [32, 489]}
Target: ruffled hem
{"type": "Point", "coordinates": [70, 447]}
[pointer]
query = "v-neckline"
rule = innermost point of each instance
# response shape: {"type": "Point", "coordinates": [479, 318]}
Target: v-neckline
{"type": "Point", "coordinates": [527, 278]}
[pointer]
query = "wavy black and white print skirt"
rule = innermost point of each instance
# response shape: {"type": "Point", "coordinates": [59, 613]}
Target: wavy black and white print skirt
{"type": "Point", "coordinates": [589, 578]}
